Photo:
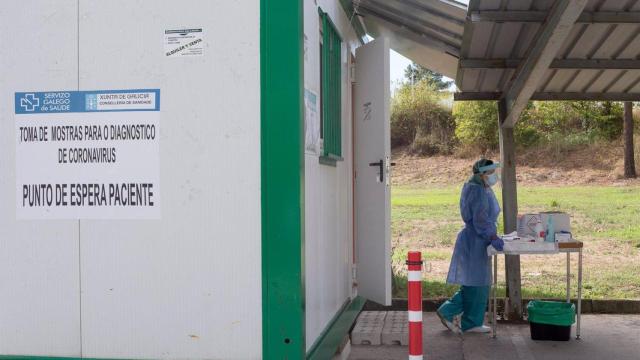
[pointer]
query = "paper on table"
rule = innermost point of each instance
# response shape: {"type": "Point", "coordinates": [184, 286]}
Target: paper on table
{"type": "Point", "coordinates": [511, 237]}
{"type": "Point", "coordinates": [525, 247]}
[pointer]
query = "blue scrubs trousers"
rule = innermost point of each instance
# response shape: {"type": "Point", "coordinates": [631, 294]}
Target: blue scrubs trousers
{"type": "Point", "coordinates": [471, 302]}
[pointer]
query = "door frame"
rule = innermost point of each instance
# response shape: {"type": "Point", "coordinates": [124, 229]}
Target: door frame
{"type": "Point", "coordinates": [354, 258]}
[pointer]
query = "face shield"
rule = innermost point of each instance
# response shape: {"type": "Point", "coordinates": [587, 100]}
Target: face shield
{"type": "Point", "coordinates": [490, 171]}
{"type": "Point", "coordinates": [487, 168]}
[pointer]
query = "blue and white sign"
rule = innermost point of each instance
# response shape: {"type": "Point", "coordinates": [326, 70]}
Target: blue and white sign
{"type": "Point", "coordinates": [87, 101]}
{"type": "Point", "coordinates": [88, 154]}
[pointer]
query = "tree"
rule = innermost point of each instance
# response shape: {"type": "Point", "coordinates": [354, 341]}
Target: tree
{"type": "Point", "coordinates": [602, 119]}
{"type": "Point", "coordinates": [629, 161]}
{"type": "Point", "coordinates": [415, 73]}
{"type": "Point", "coordinates": [477, 124]}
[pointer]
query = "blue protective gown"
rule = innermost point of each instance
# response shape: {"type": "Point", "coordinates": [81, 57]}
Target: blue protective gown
{"type": "Point", "coordinates": [470, 264]}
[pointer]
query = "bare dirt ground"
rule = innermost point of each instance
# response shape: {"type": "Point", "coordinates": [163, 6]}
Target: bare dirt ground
{"type": "Point", "coordinates": [589, 165]}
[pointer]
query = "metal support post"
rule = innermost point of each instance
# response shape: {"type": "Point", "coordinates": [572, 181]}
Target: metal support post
{"type": "Point", "coordinates": [568, 277]}
{"type": "Point", "coordinates": [510, 212]}
{"type": "Point", "coordinates": [579, 293]}
{"type": "Point", "coordinates": [494, 323]}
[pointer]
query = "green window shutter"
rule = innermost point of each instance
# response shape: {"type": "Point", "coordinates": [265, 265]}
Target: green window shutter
{"type": "Point", "coordinates": [331, 88]}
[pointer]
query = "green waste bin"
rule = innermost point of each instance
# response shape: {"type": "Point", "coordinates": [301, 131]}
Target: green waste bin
{"type": "Point", "coordinates": [551, 320]}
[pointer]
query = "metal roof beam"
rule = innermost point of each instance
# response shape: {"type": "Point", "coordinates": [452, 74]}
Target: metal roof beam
{"type": "Point", "coordinates": [587, 17]}
{"type": "Point", "coordinates": [432, 11]}
{"type": "Point", "coordinates": [477, 96]}
{"type": "Point", "coordinates": [390, 11]}
{"type": "Point", "coordinates": [574, 64]}
{"type": "Point", "coordinates": [467, 36]}
{"type": "Point", "coordinates": [412, 33]}
{"type": "Point", "coordinates": [489, 63]}
{"type": "Point", "coordinates": [551, 96]}
{"type": "Point", "coordinates": [544, 48]}
{"type": "Point", "coordinates": [347, 6]}
{"type": "Point", "coordinates": [454, 3]}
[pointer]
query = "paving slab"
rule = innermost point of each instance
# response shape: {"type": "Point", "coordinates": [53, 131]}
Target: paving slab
{"type": "Point", "coordinates": [396, 328]}
{"type": "Point", "coordinates": [368, 329]}
{"type": "Point", "coordinates": [608, 337]}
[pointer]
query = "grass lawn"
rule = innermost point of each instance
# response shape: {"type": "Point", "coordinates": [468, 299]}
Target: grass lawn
{"type": "Point", "coordinates": [605, 218]}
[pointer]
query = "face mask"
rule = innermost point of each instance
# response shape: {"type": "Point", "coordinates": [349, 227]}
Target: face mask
{"type": "Point", "coordinates": [492, 179]}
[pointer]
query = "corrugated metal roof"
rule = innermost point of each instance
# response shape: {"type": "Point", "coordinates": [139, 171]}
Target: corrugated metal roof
{"type": "Point", "coordinates": [499, 33]}
{"type": "Point", "coordinates": [483, 45]}
{"type": "Point", "coordinates": [429, 32]}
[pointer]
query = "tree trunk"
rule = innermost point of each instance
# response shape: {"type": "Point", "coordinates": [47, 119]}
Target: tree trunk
{"type": "Point", "coordinates": [629, 160]}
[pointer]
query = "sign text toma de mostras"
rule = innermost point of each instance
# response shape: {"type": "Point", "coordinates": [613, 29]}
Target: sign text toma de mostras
{"type": "Point", "coordinates": [88, 154]}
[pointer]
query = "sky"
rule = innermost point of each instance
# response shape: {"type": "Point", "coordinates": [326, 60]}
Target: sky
{"type": "Point", "coordinates": [397, 64]}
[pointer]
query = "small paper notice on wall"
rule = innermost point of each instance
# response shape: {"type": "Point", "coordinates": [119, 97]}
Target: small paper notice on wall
{"type": "Point", "coordinates": [311, 123]}
{"type": "Point", "coordinates": [184, 42]}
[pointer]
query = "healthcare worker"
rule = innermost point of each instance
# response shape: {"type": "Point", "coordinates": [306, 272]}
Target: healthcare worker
{"type": "Point", "coordinates": [470, 265]}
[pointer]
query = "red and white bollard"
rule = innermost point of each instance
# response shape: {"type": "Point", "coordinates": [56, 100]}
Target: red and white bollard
{"type": "Point", "coordinates": [414, 263]}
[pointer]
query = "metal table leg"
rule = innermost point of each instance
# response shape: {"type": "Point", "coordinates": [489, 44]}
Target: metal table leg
{"type": "Point", "coordinates": [568, 277]}
{"type": "Point", "coordinates": [495, 295]}
{"type": "Point", "coordinates": [491, 309]}
{"type": "Point", "coordinates": [579, 292]}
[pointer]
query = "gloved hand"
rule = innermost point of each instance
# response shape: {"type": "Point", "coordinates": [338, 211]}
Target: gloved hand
{"type": "Point", "coordinates": [498, 244]}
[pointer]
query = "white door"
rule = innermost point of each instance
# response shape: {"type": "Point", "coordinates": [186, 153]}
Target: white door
{"type": "Point", "coordinates": [372, 171]}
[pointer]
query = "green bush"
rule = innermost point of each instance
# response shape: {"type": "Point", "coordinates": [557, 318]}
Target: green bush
{"type": "Point", "coordinates": [526, 132]}
{"type": "Point", "coordinates": [526, 135]}
{"type": "Point", "coordinates": [585, 121]}
{"type": "Point", "coordinates": [403, 123]}
{"type": "Point", "coordinates": [608, 119]}
{"type": "Point", "coordinates": [420, 119]}
{"type": "Point", "coordinates": [559, 117]}
{"type": "Point", "coordinates": [477, 124]}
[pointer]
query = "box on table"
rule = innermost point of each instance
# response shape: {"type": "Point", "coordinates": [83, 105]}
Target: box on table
{"type": "Point", "coordinates": [561, 221]}
{"type": "Point", "coordinates": [561, 224]}
{"type": "Point", "coordinates": [527, 224]}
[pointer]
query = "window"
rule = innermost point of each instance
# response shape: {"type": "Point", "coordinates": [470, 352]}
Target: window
{"type": "Point", "coordinates": [330, 88]}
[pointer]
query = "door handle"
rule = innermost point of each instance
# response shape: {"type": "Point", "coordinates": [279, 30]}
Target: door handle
{"type": "Point", "coordinates": [380, 164]}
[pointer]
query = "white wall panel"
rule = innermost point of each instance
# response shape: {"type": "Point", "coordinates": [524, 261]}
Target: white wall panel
{"type": "Point", "coordinates": [39, 280]}
{"type": "Point", "coordinates": [328, 190]}
{"type": "Point", "coordinates": [188, 285]}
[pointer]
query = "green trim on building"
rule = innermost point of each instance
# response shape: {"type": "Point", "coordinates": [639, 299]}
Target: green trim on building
{"type": "Point", "coordinates": [327, 344]}
{"type": "Point", "coordinates": [331, 87]}
{"type": "Point", "coordinates": [281, 89]}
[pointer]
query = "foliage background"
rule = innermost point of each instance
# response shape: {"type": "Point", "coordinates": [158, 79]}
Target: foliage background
{"type": "Point", "coordinates": [425, 119]}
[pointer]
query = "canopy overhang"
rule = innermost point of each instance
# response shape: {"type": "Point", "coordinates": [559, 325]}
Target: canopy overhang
{"type": "Point", "coordinates": [429, 32]}
{"type": "Point", "coordinates": [518, 50]}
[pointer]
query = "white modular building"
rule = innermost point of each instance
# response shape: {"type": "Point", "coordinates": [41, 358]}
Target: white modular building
{"type": "Point", "coordinates": [192, 179]}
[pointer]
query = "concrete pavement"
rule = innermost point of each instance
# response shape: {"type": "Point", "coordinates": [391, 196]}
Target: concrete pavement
{"type": "Point", "coordinates": [603, 337]}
